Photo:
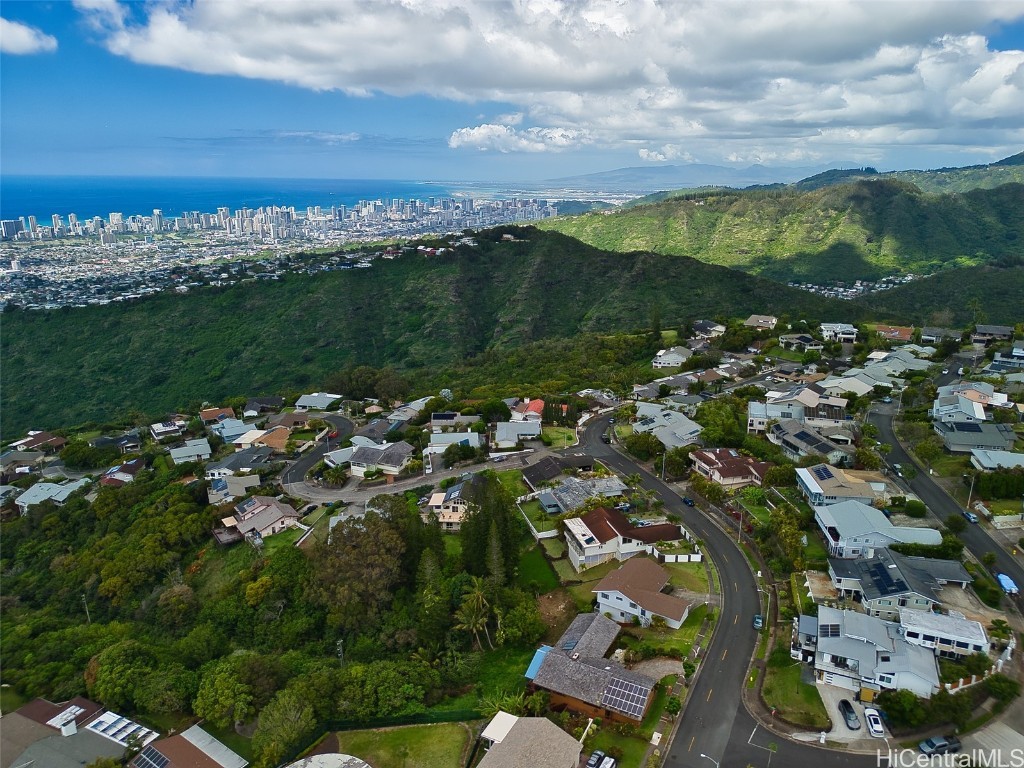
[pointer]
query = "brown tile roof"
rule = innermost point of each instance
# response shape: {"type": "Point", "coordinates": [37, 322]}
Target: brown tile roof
{"type": "Point", "coordinates": [605, 524]}
{"type": "Point", "coordinates": [214, 414]}
{"type": "Point", "coordinates": [275, 437]}
{"type": "Point", "coordinates": [641, 580]}
{"type": "Point", "coordinates": [652, 534]}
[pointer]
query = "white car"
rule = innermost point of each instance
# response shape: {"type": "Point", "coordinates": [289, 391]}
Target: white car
{"type": "Point", "coordinates": [874, 721]}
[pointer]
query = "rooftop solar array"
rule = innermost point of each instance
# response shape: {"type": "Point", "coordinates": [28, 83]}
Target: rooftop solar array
{"type": "Point", "coordinates": [150, 758]}
{"type": "Point", "coordinates": [828, 630]}
{"type": "Point", "coordinates": [624, 696]}
{"type": "Point", "coordinates": [882, 577]}
{"type": "Point", "coordinates": [823, 472]}
{"type": "Point", "coordinates": [815, 443]}
{"type": "Point", "coordinates": [966, 426]}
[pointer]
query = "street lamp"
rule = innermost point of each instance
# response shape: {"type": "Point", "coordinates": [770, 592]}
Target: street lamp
{"type": "Point", "coordinates": [768, 595]}
{"type": "Point", "coordinates": [711, 759]}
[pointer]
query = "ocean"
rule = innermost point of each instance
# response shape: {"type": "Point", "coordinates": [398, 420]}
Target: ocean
{"type": "Point", "coordinates": [88, 196]}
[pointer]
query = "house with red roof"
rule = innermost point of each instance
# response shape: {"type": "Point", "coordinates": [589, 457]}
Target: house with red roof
{"type": "Point", "coordinates": [528, 410]}
{"type": "Point", "coordinates": [729, 468]}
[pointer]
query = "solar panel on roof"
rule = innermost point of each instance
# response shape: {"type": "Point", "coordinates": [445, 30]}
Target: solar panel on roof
{"type": "Point", "coordinates": [150, 758]}
{"type": "Point", "coordinates": [627, 697]}
{"type": "Point", "coordinates": [823, 473]}
{"type": "Point", "coordinates": [568, 645]}
{"type": "Point", "coordinates": [966, 426]}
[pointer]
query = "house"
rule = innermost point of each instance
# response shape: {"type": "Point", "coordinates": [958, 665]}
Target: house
{"type": "Point", "coordinates": [512, 742]}
{"type": "Point", "coordinates": [451, 420]}
{"type": "Point", "coordinates": [508, 434]}
{"type": "Point", "coordinates": [165, 429]}
{"type": "Point", "coordinates": [729, 468]}
{"type": "Point", "coordinates": [578, 677]}
{"type": "Point", "coordinates": [957, 408]}
{"type": "Point", "coordinates": [231, 487]}
{"type": "Point", "coordinates": [895, 332]}
{"type": "Point", "coordinates": [671, 358]}
{"type": "Point", "coordinates": [13, 462]}
{"type": "Point", "coordinates": [635, 593]}
{"type": "Point", "coordinates": [193, 450]}
{"type": "Point", "coordinates": [39, 441]}
{"type": "Point", "coordinates": [842, 332]}
{"type": "Point", "coordinates": [573, 492]}
{"type": "Point", "coordinates": [866, 655]}
{"type": "Point", "coordinates": [344, 455]}
{"type": "Point", "coordinates": [950, 635]}
{"type": "Point", "coordinates": [1012, 361]}
{"type": "Point", "coordinates": [257, 406]}
{"type": "Point", "coordinates": [798, 441]}
{"type": "Point", "coordinates": [606, 534]}
{"type": "Point", "coordinates": [853, 529]}
{"type": "Point", "coordinates": [964, 437]}
{"type": "Point", "coordinates": [407, 411]}
{"type": "Point", "coordinates": [889, 583]}
{"type": "Point", "coordinates": [804, 638]}
{"type": "Point", "coordinates": [761, 322]}
{"type": "Point", "coordinates": [807, 403]}
{"type": "Point", "coordinates": [549, 503]}
{"type": "Point", "coordinates": [801, 342]}
{"type": "Point", "coordinates": [977, 392]}
{"type": "Point", "coordinates": [67, 735]}
{"type": "Point", "coordinates": [230, 429]}
{"type": "Point", "coordinates": [989, 461]}
{"type": "Point", "coordinates": [673, 428]}
{"type": "Point", "coordinates": [123, 473]}
{"type": "Point", "coordinates": [390, 459]}
{"type": "Point", "coordinates": [41, 492]}
{"type": "Point", "coordinates": [823, 485]}
{"type": "Point", "coordinates": [932, 335]}
{"type": "Point", "coordinates": [838, 386]}
{"type": "Point", "coordinates": [248, 439]}
{"type": "Point", "coordinates": [983, 334]}
{"type": "Point", "coordinates": [439, 441]}
{"type": "Point", "coordinates": [451, 505]}
{"type": "Point", "coordinates": [129, 442]}
{"type": "Point", "coordinates": [192, 748]}
{"type": "Point", "coordinates": [543, 471]}
{"type": "Point", "coordinates": [247, 460]}
{"type": "Point", "coordinates": [262, 516]}
{"type": "Point", "coordinates": [212, 415]}
{"type": "Point", "coordinates": [275, 438]}
{"type": "Point", "coordinates": [317, 401]}
{"type": "Point", "coordinates": [528, 410]}
{"type": "Point", "coordinates": [289, 420]}
{"type": "Point", "coordinates": [708, 329]}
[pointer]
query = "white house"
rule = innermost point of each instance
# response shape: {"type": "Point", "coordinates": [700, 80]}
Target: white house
{"type": "Point", "coordinates": [797, 441]}
{"type": "Point", "coordinates": [843, 332]}
{"type": "Point", "coordinates": [853, 529]}
{"type": "Point", "coordinates": [867, 655]}
{"type": "Point", "coordinates": [529, 410]}
{"type": "Point", "coordinates": [41, 492]}
{"type": "Point", "coordinates": [165, 429]}
{"type": "Point", "coordinates": [673, 428]}
{"type": "Point", "coordinates": [262, 515]}
{"type": "Point", "coordinates": [508, 434]}
{"type": "Point", "coordinates": [193, 450]}
{"type": "Point", "coordinates": [823, 485]}
{"type": "Point", "coordinates": [605, 534]}
{"type": "Point", "coordinates": [957, 408]}
{"type": "Point", "coordinates": [761, 322]}
{"type": "Point", "coordinates": [729, 468]}
{"type": "Point", "coordinates": [634, 593]}
{"type": "Point", "coordinates": [317, 401]}
{"type": "Point", "coordinates": [390, 458]}
{"type": "Point", "coordinates": [949, 635]}
{"type": "Point", "coordinates": [672, 357]}
{"type": "Point", "coordinates": [988, 461]}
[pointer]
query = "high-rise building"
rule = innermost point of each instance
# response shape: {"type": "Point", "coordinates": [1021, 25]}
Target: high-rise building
{"type": "Point", "coordinates": [33, 225]}
{"type": "Point", "coordinates": [58, 222]}
{"type": "Point", "coordinates": [158, 220]}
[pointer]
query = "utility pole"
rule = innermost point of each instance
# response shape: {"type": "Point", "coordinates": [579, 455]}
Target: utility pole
{"type": "Point", "coordinates": [88, 620]}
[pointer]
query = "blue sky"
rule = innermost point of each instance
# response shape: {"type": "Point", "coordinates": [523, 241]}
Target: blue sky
{"type": "Point", "coordinates": [503, 89]}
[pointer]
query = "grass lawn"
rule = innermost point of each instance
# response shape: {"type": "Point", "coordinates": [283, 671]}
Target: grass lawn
{"type": "Point", "coordinates": [283, 539]}
{"type": "Point", "coordinates": [650, 722]}
{"type": "Point", "coordinates": [1004, 506]}
{"type": "Point", "coordinates": [758, 512]}
{"type": "Point", "coordinates": [452, 545]}
{"type": "Point", "coordinates": [10, 699]}
{"type": "Point", "coordinates": [681, 638]}
{"type": "Point", "coordinates": [691, 576]}
{"type": "Point", "coordinates": [541, 520]}
{"type": "Point", "coordinates": [560, 437]}
{"type": "Point", "coordinates": [633, 747]}
{"type": "Point", "coordinates": [622, 431]}
{"type": "Point", "coordinates": [220, 568]}
{"type": "Point", "coordinates": [535, 569]}
{"type": "Point", "coordinates": [413, 746]}
{"type": "Point", "coordinates": [502, 670]}
{"type": "Point", "coordinates": [951, 466]}
{"type": "Point", "coordinates": [815, 549]}
{"type": "Point", "coordinates": [513, 480]}
{"type": "Point", "coordinates": [565, 571]}
{"type": "Point", "coordinates": [303, 436]}
{"type": "Point", "coordinates": [779, 353]}
{"type": "Point", "coordinates": [796, 701]}
{"type": "Point", "coordinates": [554, 547]}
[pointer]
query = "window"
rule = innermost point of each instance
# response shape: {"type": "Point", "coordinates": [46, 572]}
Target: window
{"type": "Point", "coordinates": [884, 658]}
{"type": "Point", "coordinates": [887, 679]}
{"type": "Point", "coordinates": [929, 638]}
{"type": "Point", "coordinates": [914, 635]}
{"type": "Point", "coordinates": [632, 604]}
{"type": "Point", "coordinates": [902, 602]}
{"type": "Point", "coordinates": [960, 644]}
{"type": "Point", "coordinates": [604, 595]}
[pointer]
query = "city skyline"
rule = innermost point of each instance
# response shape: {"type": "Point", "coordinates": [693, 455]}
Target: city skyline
{"type": "Point", "coordinates": [504, 91]}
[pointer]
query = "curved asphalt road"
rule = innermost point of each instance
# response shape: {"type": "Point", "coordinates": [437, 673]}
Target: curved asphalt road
{"type": "Point", "coordinates": [716, 723]}
{"type": "Point", "coordinates": [296, 472]}
{"type": "Point", "coordinates": [941, 505]}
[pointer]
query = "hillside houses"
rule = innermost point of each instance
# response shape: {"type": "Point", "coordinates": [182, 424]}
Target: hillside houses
{"type": "Point", "coordinates": [262, 516]}
{"type": "Point", "coordinates": [729, 468]}
{"type": "Point", "coordinates": [853, 529]}
{"type": "Point", "coordinates": [636, 592]}
{"type": "Point", "coordinates": [606, 534]}
{"type": "Point", "coordinates": [798, 441]}
{"type": "Point", "coordinates": [824, 485]}
{"type": "Point", "coordinates": [672, 357]}
{"type": "Point", "coordinates": [673, 428]}
{"type": "Point", "coordinates": [809, 404]}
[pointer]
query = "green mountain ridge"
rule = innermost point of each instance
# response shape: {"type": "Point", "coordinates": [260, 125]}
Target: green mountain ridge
{"type": "Point", "coordinates": [862, 230]}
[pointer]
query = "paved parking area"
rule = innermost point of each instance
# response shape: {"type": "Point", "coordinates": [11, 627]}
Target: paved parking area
{"type": "Point", "coordinates": [858, 740]}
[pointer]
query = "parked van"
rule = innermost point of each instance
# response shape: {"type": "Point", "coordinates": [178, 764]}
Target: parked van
{"type": "Point", "coordinates": [1008, 585]}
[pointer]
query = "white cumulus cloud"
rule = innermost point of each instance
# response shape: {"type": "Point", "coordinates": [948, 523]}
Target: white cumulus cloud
{"type": "Point", "coordinates": [21, 39]}
{"type": "Point", "coordinates": [740, 77]}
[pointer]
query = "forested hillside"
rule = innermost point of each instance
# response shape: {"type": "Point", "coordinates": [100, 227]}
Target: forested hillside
{"type": "Point", "coordinates": [421, 315]}
{"type": "Point", "coordinates": [862, 230]}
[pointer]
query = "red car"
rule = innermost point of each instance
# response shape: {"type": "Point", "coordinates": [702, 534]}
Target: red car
{"type": "Point", "coordinates": [333, 435]}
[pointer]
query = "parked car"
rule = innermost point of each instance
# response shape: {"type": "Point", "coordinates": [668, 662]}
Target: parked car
{"type": "Point", "coordinates": [886, 399]}
{"type": "Point", "coordinates": [945, 371]}
{"type": "Point", "coordinates": [849, 715]}
{"type": "Point", "coordinates": [758, 621]}
{"type": "Point", "coordinates": [688, 501]}
{"type": "Point", "coordinates": [609, 762]}
{"type": "Point", "coordinates": [1009, 585]}
{"type": "Point", "coordinates": [605, 439]}
{"type": "Point", "coordinates": [595, 759]}
{"type": "Point", "coordinates": [940, 745]}
{"type": "Point", "coordinates": [333, 435]}
{"type": "Point", "coordinates": [611, 421]}
{"type": "Point", "coordinates": [874, 722]}
{"type": "Point", "coordinates": [898, 469]}
{"type": "Point", "coordinates": [971, 517]}
{"type": "Point", "coordinates": [423, 500]}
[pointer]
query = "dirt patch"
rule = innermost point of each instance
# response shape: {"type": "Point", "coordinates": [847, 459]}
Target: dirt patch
{"type": "Point", "coordinates": [328, 745]}
{"type": "Point", "coordinates": [558, 609]}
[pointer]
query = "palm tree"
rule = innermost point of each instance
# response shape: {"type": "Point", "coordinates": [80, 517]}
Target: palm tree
{"type": "Point", "coordinates": [475, 596]}
{"type": "Point", "coordinates": [470, 619]}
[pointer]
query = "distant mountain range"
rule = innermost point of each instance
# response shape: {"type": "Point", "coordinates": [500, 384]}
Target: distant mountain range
{"type": "Point", "coordinates": [646, 179]}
